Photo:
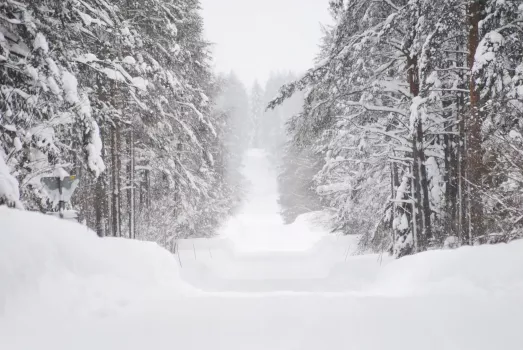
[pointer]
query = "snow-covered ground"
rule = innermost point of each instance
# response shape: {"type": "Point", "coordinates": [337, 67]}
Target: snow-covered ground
{"type": "Point", "coordinates": [260, 285]}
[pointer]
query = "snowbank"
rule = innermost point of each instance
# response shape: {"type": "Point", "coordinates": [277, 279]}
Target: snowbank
{"type": "Point", "coordinates": [488, 269]}
{"type": "Point", "coordinates": [46, 262]}
{"type": "Point", "coordinates": [330, 266]}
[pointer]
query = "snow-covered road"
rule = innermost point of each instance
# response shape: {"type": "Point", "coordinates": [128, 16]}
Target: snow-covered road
{"type": "Point", "coordinates": [260, 285]}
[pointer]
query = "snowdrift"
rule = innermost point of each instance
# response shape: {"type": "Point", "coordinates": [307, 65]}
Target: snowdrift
{"type": "Point", "coordinates": [62, 288]}
{"type": "Point", "coordinates": [45, 261]}
{"type": "Point", "coordinates": [330, 266]}
{"type": "Point", "coordinates": [487, 269]}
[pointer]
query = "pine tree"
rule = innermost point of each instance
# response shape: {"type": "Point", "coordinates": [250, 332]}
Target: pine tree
{"type": "Point", "coordinates": [404, 102]}
{"type": "Point", "coordinates": [119, 93]}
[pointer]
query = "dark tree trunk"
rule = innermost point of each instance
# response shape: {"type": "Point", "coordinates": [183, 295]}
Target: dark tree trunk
{"type": "Point", "coordinates": [131, 184]}
{"type": "Point", "coordinates": [119, 178]}
{"type": "Point", "coordinates": [451, 189]}
{"type": "Point", "coordinates": [474, 152]}
{"type": "Point", "coordinates": [420, 181]}
{"type": "Point", "coordinates": [424, 184]}
{"type": "Point", "coordinates": [115, 179]}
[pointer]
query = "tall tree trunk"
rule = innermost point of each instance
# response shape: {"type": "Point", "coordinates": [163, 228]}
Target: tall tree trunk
{"type": "Point", "coordinates": [178, 188]}
{"type": "Point", "coordinates": [463, 228]}
{"type": "Point", "coordinates": [420, 181]}
{"type": "Point", "coordinates": [130, 191]}
{"type": "Point", "coordinates": [99, 206]}
{"type": "Point", "coordinates": [415, 185]}
{"type": "Point", "coordinates": [450, 160]}
{"type": "Point", "coordinates": [474, 152]}
{"type": "Point", "coordinates": [415, 212]}
{"type": "Point", "coordinates": [99, 196]}
{"type": "Point", "coordinates": [394, 183]}
{"type": "Point", "coordinates": [114, 223]}
{"type": "Point", "coordinates": [119, 178]}
{"type": "Point", "coordinates": [451, 188]}
{"type": "Point", "coordinates": [115, 179]}
{"type": "Point", "coordinates": [424, 184]}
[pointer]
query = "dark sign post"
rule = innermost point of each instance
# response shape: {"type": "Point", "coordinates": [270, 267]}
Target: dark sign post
{"type": "Point", "coordinates": [60, 190]}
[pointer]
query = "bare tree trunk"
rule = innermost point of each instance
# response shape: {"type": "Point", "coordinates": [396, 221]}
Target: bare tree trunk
{"type": "Point", "coordinates": [450, 163]}
{"type": "Point", "coordinates": [419, 173]}
{"type": "Point", "coordinates": [130, 190]}
{"type": "Point", "coordinates": [115, 179]}
{"type": "Point", "coordinates": [415, 185]}
{"type": "Point", "coordinates": [394, 183]}
{"type": "Point", "coordinates": [424, 184]}
{"type": "Point", "coordinates": [474, 152]}
{"type": "Point", "coordinates": [463, 228]}
{"type": "Point", "coordinates": [114, 223]}
{"type": "Point", "coordinates": [99, 197]}
{"type": "Point", "coordinates": [414, 216]}
{"type": "Point", "coordinates": [99, 206]}
{"type": "Point", "coordinates": [119, 178]}
{"type": "Point", "coordinates": [451, 188]}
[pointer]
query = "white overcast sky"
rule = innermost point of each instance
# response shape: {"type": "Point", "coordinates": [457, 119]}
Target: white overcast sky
{"type": "Point", "coordinates": [255, 37]}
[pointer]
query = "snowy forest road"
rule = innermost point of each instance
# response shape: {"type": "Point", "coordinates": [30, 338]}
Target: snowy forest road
{"type": "Point", "coordinates": [257, 252]}
{"type": "Point", "coordinates": [274, 286]}
{"type": "Point", "coordinates": [261, 285]}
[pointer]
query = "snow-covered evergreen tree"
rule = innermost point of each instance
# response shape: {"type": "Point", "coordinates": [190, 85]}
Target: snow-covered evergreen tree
{"type": "Point", "coordinates": [409, 106]}
{"type": "Point", "coordinates": [121, 94]}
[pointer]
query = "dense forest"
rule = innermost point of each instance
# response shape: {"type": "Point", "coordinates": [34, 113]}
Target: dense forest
{"type": "Point", "coordinates": [408, 127]}
{"type": "Point", "coordinates": [120, 94]}
{"type": "Point", "coordinates": [414, 111]}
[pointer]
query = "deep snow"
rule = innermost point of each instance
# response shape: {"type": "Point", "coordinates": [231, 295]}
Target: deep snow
{"type": "Point", "coordinates": [260, 285]}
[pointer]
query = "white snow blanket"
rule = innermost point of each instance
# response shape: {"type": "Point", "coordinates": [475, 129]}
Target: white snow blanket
{"type": "Point", "coordinates": [260, 285]}
{"type": "Point", "coordinates": [61, 267]}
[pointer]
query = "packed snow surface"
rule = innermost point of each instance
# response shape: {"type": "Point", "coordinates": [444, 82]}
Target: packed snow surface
{"type": "Point", "coordinates": [259, 285]}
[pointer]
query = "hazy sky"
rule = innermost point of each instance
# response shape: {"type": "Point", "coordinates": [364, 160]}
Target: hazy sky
{"type": "Point", "coordinates": [255, 37]}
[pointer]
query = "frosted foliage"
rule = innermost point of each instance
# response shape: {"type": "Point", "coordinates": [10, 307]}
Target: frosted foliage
{"type": "Point", "coordinates": [94, 151]}
{"type": "Point", "coordinates": [44, 137]}
{"type": "Point", "coordinates": [390, 86]}
{"type": "Point", "coordinates": [33, 72]}
{"type": "Point", "coordinates": [53, 85]}
{"type": "Point", "coordinates": [98, 73]}
{"type": "Point", "coordinates": [140, 83]}
{"type": "Point", "coordinates": [486, 52]}
{"type": "Point", "coordinates": [114, 74]}
{"type": "Point", "coordinates": [17, 144]}
{"type": "Point", "coordinates": [403, 223]}
{"type": "Point", "coordinates": [40, 42]}
{"type": "Point", "coordinates": [53, 67]}
{"type": "Point", "coordinates": [60, 172]}
{"type": "Point", "coordinates": [129, 60]}
{"type": "Point", "coordinates": [436, 180]}
{"type": "Point", "coordinates": [416, 111]}
{"type": "Point", "coordinates": [9, 193]}
{"type": "Point", "coordinates": [70, 86]}
{"type": "Point", "coordinates": [85, 109]}
{"type": "Point", "coordinates": [87, 58]}
{"type": "Point", "coordinates": [402, 189]}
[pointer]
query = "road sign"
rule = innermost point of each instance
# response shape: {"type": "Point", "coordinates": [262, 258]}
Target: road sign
{"type": "Point", "coordinates": [60, 190]}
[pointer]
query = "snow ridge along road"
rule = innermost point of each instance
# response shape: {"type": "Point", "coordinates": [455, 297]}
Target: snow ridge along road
{"type": "Point", "coordinates": [260, 285]}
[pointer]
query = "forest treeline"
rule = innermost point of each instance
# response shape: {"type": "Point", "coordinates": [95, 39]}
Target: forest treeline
{"type": "Point", "coordinates": [413, 114]}
{"type": "Point", "coordinates": [121, 94]}
{"type": "Point", "coordinates": [408, 127]}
